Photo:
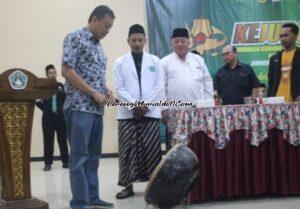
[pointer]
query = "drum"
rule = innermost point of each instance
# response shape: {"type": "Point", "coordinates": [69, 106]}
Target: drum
{"type": "Point", "coordinates": [173, 178]}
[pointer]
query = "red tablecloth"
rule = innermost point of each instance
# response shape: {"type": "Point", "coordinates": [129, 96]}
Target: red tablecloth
{"type": "Point", "coordinates": [243, 149]}
{"type": "Point", "coordinates": [241, 169]}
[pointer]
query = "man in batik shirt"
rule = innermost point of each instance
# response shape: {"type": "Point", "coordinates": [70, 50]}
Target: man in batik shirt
{"type": "Point", "coordinates": [83, 66]}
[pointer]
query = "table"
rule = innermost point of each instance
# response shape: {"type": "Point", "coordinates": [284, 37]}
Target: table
{"type": "Point", "coordinates": [244, 150]}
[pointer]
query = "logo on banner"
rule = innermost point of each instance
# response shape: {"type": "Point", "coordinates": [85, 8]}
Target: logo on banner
{"type": "Point", "coordinates": [205, 37]}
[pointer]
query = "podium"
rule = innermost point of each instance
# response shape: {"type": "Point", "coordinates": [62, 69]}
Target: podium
{"type": "Point", "coordinates": [18, 91]}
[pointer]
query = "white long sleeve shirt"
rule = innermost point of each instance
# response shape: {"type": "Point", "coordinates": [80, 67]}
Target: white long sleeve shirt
{"type": "Point", "coordinates": [128, 88]}
{"type": "Point", "coordinates": [187, 81]}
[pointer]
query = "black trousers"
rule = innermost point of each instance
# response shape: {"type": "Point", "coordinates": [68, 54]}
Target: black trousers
{"type": "Point", "coordinates": [52, 123]}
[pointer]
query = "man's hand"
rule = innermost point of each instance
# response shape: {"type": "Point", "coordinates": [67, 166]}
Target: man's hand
{"type": "Point", "coordinates": [254, 94]}
{"type": "Point", "coordinates": [139, 112]}
{"type": "Point", "coordinates": [164, 115]}
{"type": "Point", "coordinates": [217, 98]}
{"type": "Point", "coordinates": [109, 96]}
{"type": "Point", "coordinates": [99, 98]}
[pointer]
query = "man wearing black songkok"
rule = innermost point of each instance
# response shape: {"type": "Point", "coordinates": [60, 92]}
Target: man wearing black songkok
{"type": "Point", "coordinates": [187, 78]}
{"type": "Point", "coordinates": [138, 78]}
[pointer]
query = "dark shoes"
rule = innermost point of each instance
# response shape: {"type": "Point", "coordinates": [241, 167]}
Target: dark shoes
{"type": "Point", "coordinates": [47, 168]}
{"type": "Point", "coordinates": [125, 193]}
{"type": "Point", "coordinates": [65, 165]}
{"type": "Point", "coordinates": [100, 204]}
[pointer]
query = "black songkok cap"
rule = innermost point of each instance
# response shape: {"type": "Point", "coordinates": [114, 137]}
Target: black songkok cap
{"type": "Point", "coordinates": [136, 28]}
{"type": "Point", "coordinates": [180, 32]}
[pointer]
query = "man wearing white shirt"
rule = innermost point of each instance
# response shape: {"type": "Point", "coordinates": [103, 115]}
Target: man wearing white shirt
{"type": "Point", "coordinates": [138, 78]}
{"type": "Point", "coordinates": [186, 75]}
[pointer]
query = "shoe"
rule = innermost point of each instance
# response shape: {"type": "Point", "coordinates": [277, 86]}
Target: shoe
{"type": "Point", "coordinates": [65, 165]}
{"type": "Point", "coordinates": [125, 193]}
{"type": "Point", "coordinates": [100, 204]}
{"type": "Point", "coordinates": [47, 168]}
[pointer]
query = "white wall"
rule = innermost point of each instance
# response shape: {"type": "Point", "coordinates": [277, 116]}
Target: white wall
{"type": "Point", "coordinates": [31, 36]}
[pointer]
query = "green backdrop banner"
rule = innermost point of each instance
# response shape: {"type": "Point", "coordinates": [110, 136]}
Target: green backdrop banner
{"type": "Point", "coordinates": [253, 26]}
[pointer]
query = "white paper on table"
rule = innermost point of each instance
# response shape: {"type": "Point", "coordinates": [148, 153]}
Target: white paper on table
{"type": "Point", "coordinates": [205, 103]}
{"type": "Point", "coordinates": [273, 100]}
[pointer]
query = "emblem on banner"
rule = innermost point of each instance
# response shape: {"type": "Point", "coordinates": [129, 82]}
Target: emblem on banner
{"type": "Point", "coordinates": [205, 37]}
{"type": "Point", "coordinates": [18, 80]}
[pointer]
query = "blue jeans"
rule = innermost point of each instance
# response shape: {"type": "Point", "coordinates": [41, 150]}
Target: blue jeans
{"type": "Point", "coordinates": [85, 131]}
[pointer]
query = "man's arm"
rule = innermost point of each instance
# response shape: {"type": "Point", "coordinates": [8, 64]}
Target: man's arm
{"type": "Point", "coordinates": [208, 83]}
{"type": "Point", "coordinates": [164, 110]}
{"type": "Point", "coordinates": [158, 90]}
{"type": "Point", "coordinates": [216, 83]}
{"type": "Point", "coordinates": [255, 83]}
{"type": "Point", "coordinates": [121, 92]}
{"type": "Point", "coordinates": [270, 77]}
{"type": "Point", "coordinates": [76, 81]}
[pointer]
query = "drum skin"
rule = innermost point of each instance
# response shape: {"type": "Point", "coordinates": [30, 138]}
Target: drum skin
{"type": "Point", "coordinates": [173, 178]}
